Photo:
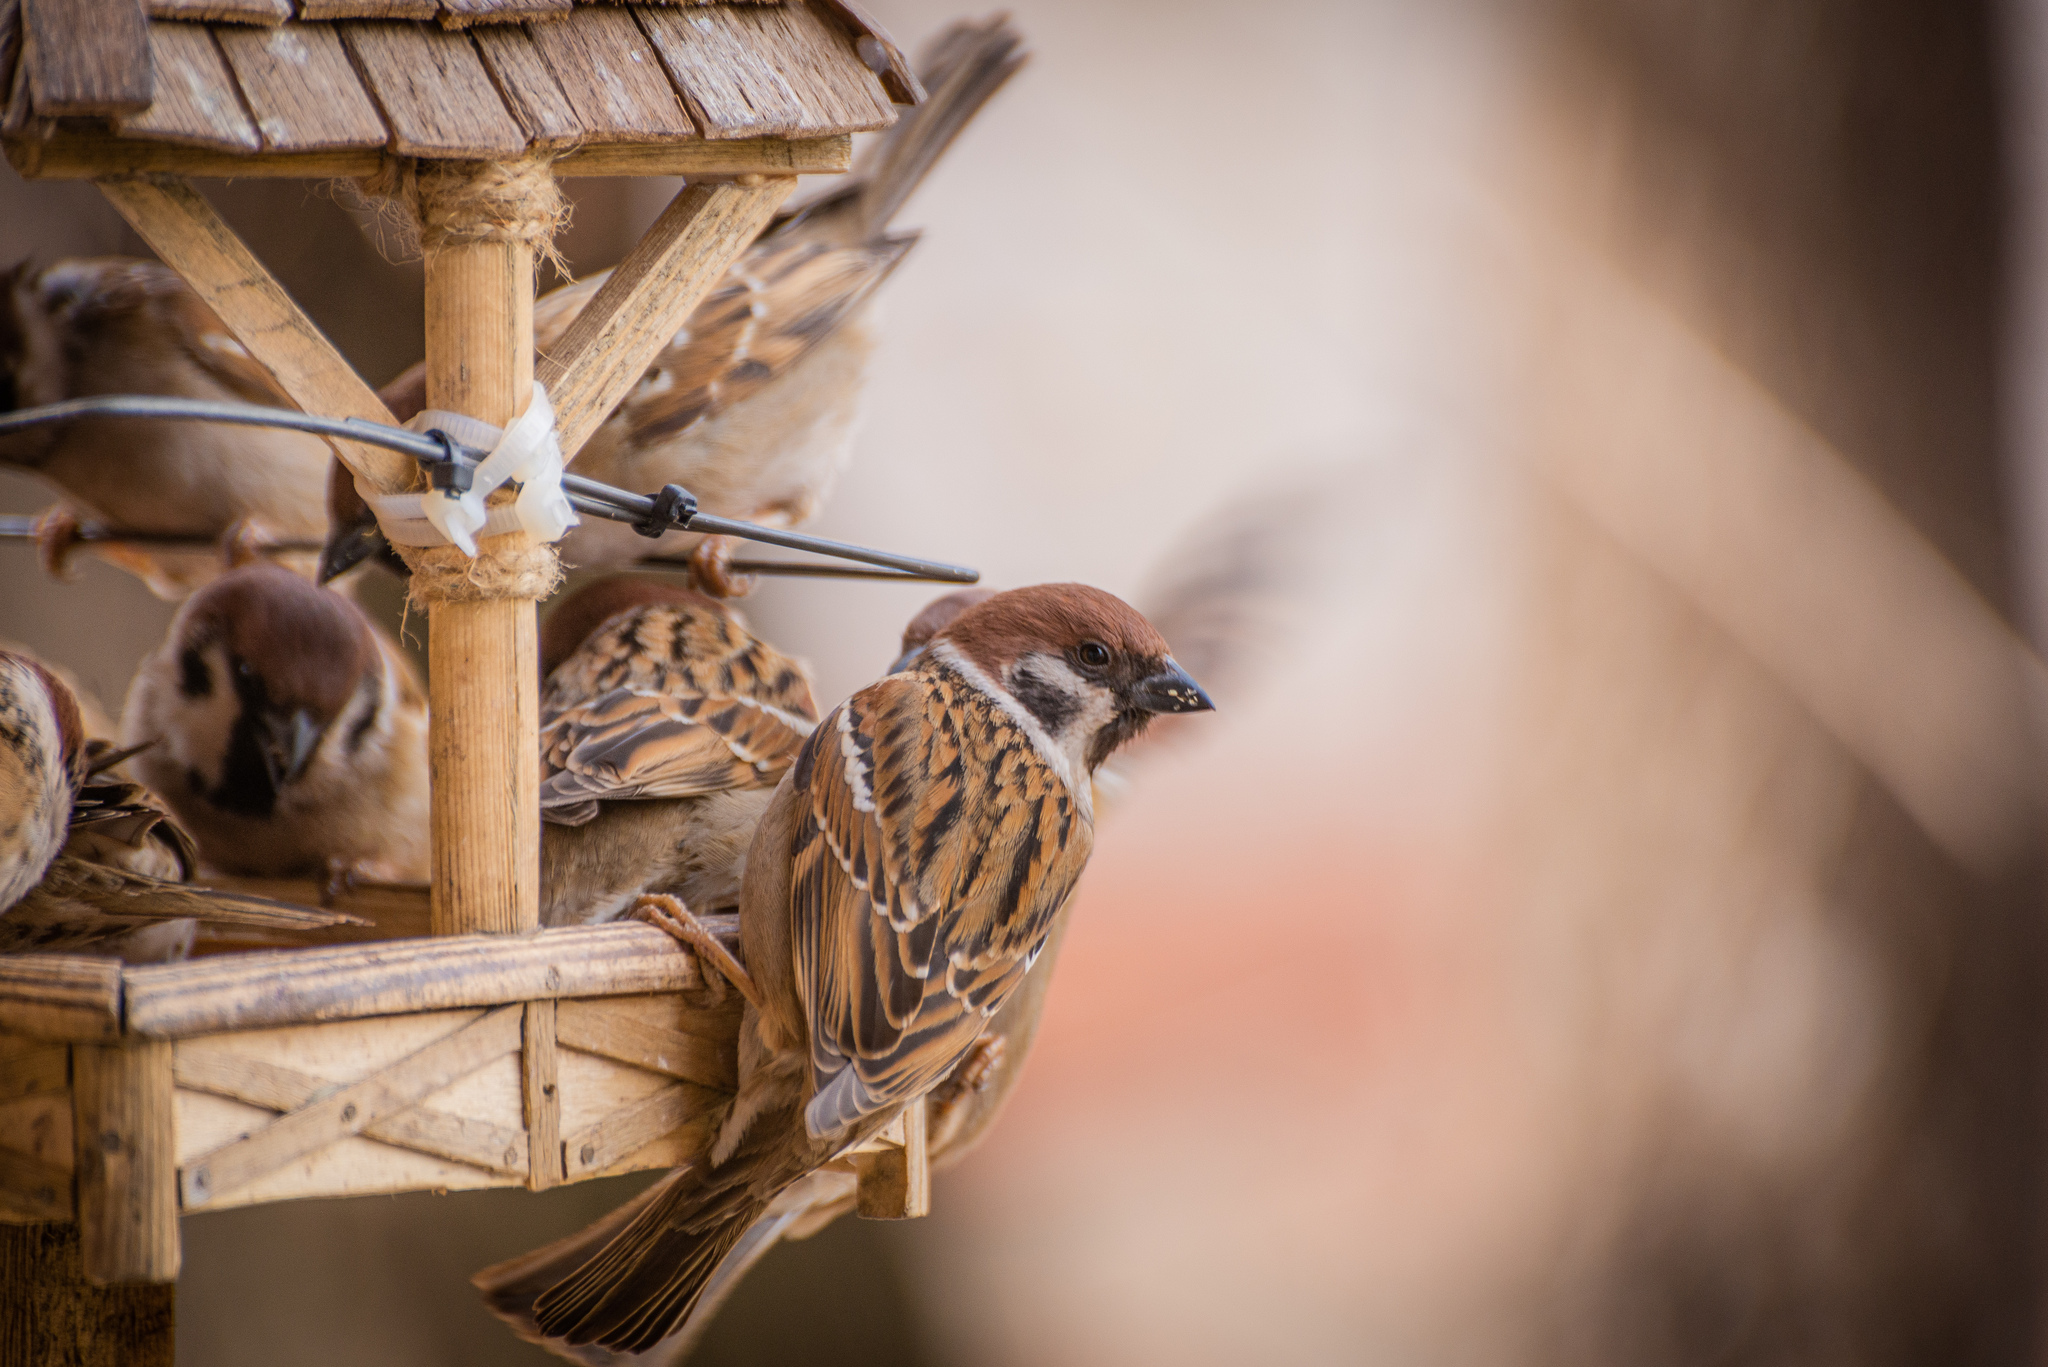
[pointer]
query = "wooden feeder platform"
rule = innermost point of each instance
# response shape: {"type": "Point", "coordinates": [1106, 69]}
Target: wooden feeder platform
{"type": "Point", "coordinates": [480, 1052]}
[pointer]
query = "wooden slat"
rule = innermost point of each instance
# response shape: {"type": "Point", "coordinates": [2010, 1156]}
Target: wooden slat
{"type": "Point", "coordinates": [193, 240]}
{"type": "Point", "coordinates": [57, 996]}
{"type": "Point", "coordinates": [124, 1127]}
{"type": "Point", "coordinates": [612, 77]}
{"type": "Point", "coordinates": [31, 1189]}
{"type": "Point", "coordinates": [874, 46]}
{"type": "Point", "coordinates": [87, 57]}
{"type": "Point", "coordinates": [349, 982]}
{"type": "Point", "coordinates": [352, 1109]}
{"type": "Point", "coordinates": [301, 88]}
{"type": "Point", "coordinates": [79, 156]}
{"type": "Point", "coordinates": [488, 14]}
{"type": "Point", "coordinates": [766, 71]}
{"type": "Point", "coordinates": [433, 91]}
{"type": "Point", "coordinates": [276, 1087]}
{"type": "Point", "coordinates": [267, 13]}
{"type": "Point", "coordinates": [895, 1181]}
{"type": "Point", "coordinates": [34, 1070]}
{"type": "Point", "coordinates": [540, 1092]}
{"type": "Point", "coordinates": [366, 9]}
{"type": "Point", "coordinates": [631, 1128]}
{"type": "Point", "coordinates": [196, 100]}
{"type": "Point", "coordinates": [637, 311]}
{"type": "Point", "coordinates": [528, 88]}
{"type": "Point", "coordinates": [598, 1028]}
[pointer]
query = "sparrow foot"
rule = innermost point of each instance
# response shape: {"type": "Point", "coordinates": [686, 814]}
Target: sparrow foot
{"type": "Point", "coordinates": [711, 569]}
{"type": "Point", "coordinates": [340, 881]}
{"type": "Point", "coordinates": [664, 912]}
{"type": "Point", "coordinates": [57, 534]}
{"type": "Point", "coordinates": [975, 1073]}
{"type": "Point", "coordinates": [245, 541]}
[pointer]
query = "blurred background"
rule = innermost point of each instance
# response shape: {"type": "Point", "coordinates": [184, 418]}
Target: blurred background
{"type": "Point", "coordinates": [1603, 922]}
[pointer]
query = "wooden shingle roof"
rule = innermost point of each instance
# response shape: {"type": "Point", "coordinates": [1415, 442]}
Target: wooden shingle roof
{"type": "Point", "coordinates": [461, 79]}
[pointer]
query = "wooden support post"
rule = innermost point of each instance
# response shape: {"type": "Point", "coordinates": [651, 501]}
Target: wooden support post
{"type": "Point", "coordinates": [896, 1183]}
{"type": "Point", "coordinates": [540, 1086]}
{"type": "Point", "coordinates": [483, 657]}
{"type": "Point", "coordinates": [123, 1136]}
{"type": "Point", "coordinates": [52, 1316]}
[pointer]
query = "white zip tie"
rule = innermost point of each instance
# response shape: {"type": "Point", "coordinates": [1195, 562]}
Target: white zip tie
{"type": "Point", "coordinates": [527, 451]}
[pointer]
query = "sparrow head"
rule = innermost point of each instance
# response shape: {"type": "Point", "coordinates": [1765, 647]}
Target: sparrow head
{"type": "Point", "coordinates": [580, 614]}
{"type": "Point", "coordinates": [938, 614]}
{"type": "Point", "coordinates": [273, 668]}
{"type": "Point", "coordinates": [1086, 667]}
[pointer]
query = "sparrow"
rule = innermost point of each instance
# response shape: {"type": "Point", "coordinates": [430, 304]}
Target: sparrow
{"type": "Point", "coordinates": [665, 726]}
{"type": "Point", "coordinates": [905, 877]}
{"type": "Point", "coordinates": [932, 619]}
{"type": "Point", "coordinates": [752, 406]}
{"type": "Point", "coordinates": [291, 735]}
{"type": "Point", "coordinates": [87, 863]}
{"type": "Point", "coordinates": [115, 325]}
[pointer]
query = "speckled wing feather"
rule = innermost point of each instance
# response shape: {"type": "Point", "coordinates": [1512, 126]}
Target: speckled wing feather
{"type": "Point", "coordinates": [938, 847]}
{"type": "Point", "coordinates": [668, 701]}
{"type": "Point", "coordinates": [79, 905]}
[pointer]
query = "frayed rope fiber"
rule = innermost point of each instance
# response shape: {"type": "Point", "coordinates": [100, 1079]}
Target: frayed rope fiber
{"type": "Point", "coordinates": [452, 202]}
{"type": "Point", "coordinates": [443, 574]}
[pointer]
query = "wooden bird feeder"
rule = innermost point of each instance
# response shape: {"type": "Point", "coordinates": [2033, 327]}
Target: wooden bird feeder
{"type": "Point", "coordinates": [482, 1052]}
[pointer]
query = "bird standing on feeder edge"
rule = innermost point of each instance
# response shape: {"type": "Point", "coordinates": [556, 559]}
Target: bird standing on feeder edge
{"type": "Point", "coordinates": [902, 882]}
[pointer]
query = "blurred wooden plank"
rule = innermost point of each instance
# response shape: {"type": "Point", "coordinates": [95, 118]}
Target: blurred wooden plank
{"type": "Point", "coordinates": [540, 1093]}
{"type": "Point", "coordinates": [352, 1109]}
{"type": "Point", "coordinates": [31, 1068]}
{"type": "Point", "coordinates": [873, 45]}
{"type": "Point", "coordinates": [766, 71]}
{"type": "Point", "coordinates": [10, 45]}
{"type": "Point", "coordinates": [366, 9]}
{"type": "Point", "coordinates": [61, 996]}
{"type": "Point", "coordinates": [895, 1180]}
{"type": "Point", "coordinates": [267, 13]}
{"type": "Point", "coordinates": [433, 91]}
{"type": "Point", "coordinates": [295, 987]}
{"type": "Point", "coordinates": [613, 78]}
{"type": "Point", "coordinates": [76, 156]}
{"type": "Point", "coordinates": [87, 57]}
{"type": "Point", "coordinates": [301, 88]}
{"type": "Point", "coordinates": [125, 1129]}
{"type": "Point", "coordinates": [529, 89]}
{"type": "Point", "coordinates": [32, 1190]}
{"type": "Point", "coordinates": [196, 101]}
{"type": "Point", "coordinates": [488, 14]}
{"type": "Point", "coordinates": [631, 1128]}
{"type": "Point", "coordinates": [609, 1029]}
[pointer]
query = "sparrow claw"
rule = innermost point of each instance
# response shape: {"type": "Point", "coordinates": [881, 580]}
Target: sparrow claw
{"type": "Point", "coordinates": [975, 1073]}
{"type": "Point", "coordinates": [245, 541]}
{"type": "Point", "coordinates": [711, 569]}
{"type": "Point", "coordinates": [339, 883]}
{"type": "Point", "coordinates": [667, 913]}
{"type": "Point", "coordinates": [57, 534]}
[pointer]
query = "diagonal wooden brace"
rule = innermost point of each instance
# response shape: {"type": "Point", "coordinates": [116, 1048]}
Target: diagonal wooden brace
{"type": "Point", "coordinates": [650, 294]}
{"type": "Point", "coordinates": [192, 239]}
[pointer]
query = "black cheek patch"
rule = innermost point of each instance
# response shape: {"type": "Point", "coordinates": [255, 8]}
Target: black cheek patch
{"type": "Point", "coordinates": [1053, 706]}
{"type": "Point", "coordinates": [195, 680]}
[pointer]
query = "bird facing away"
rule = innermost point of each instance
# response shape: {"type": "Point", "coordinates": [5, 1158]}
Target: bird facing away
{"type": "Point", "coordinates": [901, 883]}
{"type": "Point", "coordinates": [752, 406]}
{"type": "Point", "coordinates": [664, 729]}
{"type": "Point", "coordinates": [114, 325]}
{"type": "Point", "coordinates": [291, 734]}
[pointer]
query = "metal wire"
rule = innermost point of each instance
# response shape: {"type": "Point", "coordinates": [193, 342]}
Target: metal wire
{"type": "Point", "coordinates": [586, 495]}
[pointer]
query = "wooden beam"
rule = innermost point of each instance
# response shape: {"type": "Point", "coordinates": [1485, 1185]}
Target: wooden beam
{"type": "Point", "coordinates": [596, 1028]}
{"type": "Point", "coordinates": [61, 996]}
{"type": "Point", "coordinates": [540, 1088]}
{"type": "Point", "coordinates": [349, 982]}
{"type": "Point", "coordinates": [631, 1128]}
{"type": "Point", "coordinates": [192, 239]}
{"type": "Point", "coordinates": [895, 1181]}
{"type": "Point", "coordinates": [50, 1314]}
{"type": "Point", "coordinates": [73, 156]}
{"type": "Point", "coordinates": [124, 1135]}
{"type": "Point", "coordinates": [649, 295]}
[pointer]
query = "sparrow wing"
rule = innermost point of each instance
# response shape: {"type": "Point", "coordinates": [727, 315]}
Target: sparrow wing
{"type": "Point", "coordinates": [80, 904]}
{"type": "Point", "coordinates": [937, 849]}
{"type": "Point", "coordinates": [214, 349]}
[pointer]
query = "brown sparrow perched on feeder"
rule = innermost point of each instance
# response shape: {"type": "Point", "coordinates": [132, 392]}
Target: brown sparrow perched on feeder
{"type": "Point", "coordinates": [664, 729]}
{"type": "Point", "coordinates": [752, 407]}
{"type": "Point", "coordinates": [87, 863]}
{"type": "Point", "coordinates": [903, 880]}
{"type": "Point", "coordinates": [291, 734]}
{"type": "Point", "coordinates": [114, 325]}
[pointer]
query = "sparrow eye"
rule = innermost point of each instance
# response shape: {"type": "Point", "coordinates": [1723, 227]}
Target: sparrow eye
{"type": "Point", "coordinates": [1094, 654]}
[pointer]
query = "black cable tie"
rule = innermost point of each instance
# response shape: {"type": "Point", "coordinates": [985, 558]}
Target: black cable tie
{"type": "Point", "coordinates": [673, 508]}
{"type": "Point", "coordinates": [449, 474]}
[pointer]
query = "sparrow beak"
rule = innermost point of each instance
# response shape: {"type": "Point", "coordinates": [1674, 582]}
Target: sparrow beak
{"type": "Point", "coordinates": [288, 743]}
{"type": "Point", "coordinates": [348, 547]}
{"type": "Point", "coordinates": [1171, 690]}
{"type": "Point", "coordinates": [905, 660]}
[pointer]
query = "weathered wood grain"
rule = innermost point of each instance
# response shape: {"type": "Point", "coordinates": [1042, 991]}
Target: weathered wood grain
{"type": "Point", "coordinates": [87, 57]}
{"type": "Point", "coordinates": [631, 1128]}
{"type": "Point", "coordinates": [895, 1180]}
{"type": "Point", "coordinates": [303, 92]}
{"type": "Point", "coordinates": [638, 309]}
{"type": "Point", "coordinates": [613, 78]}
{"type": "Point", "coordinates": [124, 1128]}
{"type": "Point", "coordinates": [528, 88]}
{"type": "Point", "coordinates": [540, 1093]}
{"type": "Point", "coordinates": [51, 1316]}
{"type": "Point", "coordinates": [433, 91]}
{"type": "Point", "coordinates": [193, 240]}
{"type": "Point", "coordinates": [366, 9]}
{"type": "Point", "coordinates": [71, 155]}
{"type": "Point", "coordinates": [196, 101]}
{"type": "Point", "coordinates": [766, 71]}
{"type": "Point", "coordinates": [267, 13]}
{"type": "Point", "coordinates": [32, 1068]}
{"type": "Point", "coordinates": [61, 996]}
{"type": "Point", "coordinates": [878, 50]}
{"type": "Point", "coordinates": [353, 1108]}
{"type": "Point", "coordinates": [32, 1190]}
{"type": "Point", "coordinates": [488, 14]}
{"type": "Point", "coordinates": [598, 1027]}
